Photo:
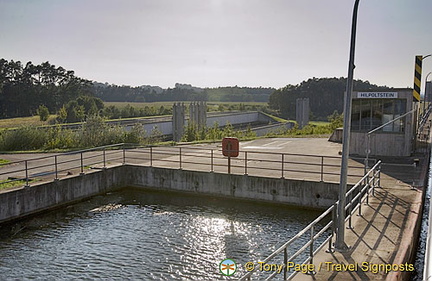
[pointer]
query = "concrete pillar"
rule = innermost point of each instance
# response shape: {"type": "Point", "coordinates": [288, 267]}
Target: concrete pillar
{"type": "Point", "coordinates": [178, 121]}
{"type": "Point", "coordinates": [302, 112]}
{"type": "Point", "coordinates": [198, 114]}
{"type": "Point", "coordinates": [202, 114]}
{"type": "Point", "coordinates": [193, 113]}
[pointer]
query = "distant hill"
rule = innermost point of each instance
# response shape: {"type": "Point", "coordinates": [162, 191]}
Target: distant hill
{"type": "Point", "coordinates": [325, 96]}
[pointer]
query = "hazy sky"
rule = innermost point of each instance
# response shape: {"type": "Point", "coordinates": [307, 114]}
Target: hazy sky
{"type": "Point", "coordinates": [211, 43]}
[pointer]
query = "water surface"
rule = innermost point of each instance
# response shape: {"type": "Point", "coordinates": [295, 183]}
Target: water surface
{"type": "Point", "coordinates": [136, 234]}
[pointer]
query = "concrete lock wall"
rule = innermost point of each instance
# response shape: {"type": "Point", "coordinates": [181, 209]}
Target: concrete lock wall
{"type": "Point", "coordinates": [317, 195]}
{"type": "Point", "coordinates": [165, 128]}
{"type": "Point", "coordinates": [20, 202]}
{"type": "Point", "coordinates": [233, 119]}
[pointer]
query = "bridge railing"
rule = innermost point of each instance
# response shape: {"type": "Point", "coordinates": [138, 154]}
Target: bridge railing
{"type": "Point", "coordinates": [266, 164]}
{"type": "Point", "coordinates": [308, 247]}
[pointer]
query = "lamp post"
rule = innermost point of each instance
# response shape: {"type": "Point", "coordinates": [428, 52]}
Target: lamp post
{"type": "Point", "coordinates": [424, 94]}
{"type": "Point", "coordinates": [340, 244]}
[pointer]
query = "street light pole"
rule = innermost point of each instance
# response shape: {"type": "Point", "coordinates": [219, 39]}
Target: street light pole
{"type": "Point", "coordinates": [340, 244]}
{"type": "Point", "coordinates": [424, 93]}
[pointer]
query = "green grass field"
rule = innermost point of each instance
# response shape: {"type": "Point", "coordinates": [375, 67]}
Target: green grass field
{"type": "Point", "coordinates": [319, 123]}
{"type": "Point", "coordinates": [25, 121]}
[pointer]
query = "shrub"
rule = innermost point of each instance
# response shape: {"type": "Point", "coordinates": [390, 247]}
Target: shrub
{"type": "Point", "coordinates": [43, 113]}
{"type": "Point", "coordinates": [23, 138]}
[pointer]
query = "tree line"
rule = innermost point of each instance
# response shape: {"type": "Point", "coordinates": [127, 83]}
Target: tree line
{"type": "Point", "coordinates": [181, 92]}
{"type": "Point", "coordinates": [25, 87]}
{"type": "Point", "coordinates": [28, 89]}
{"type": "Point", "coordinates": [326, 95]}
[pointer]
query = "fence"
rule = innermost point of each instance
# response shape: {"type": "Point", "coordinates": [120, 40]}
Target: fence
{"type": "Point", "coordinates": [355, 197]}
{"type": "Point", "coordinates": [266, 164]}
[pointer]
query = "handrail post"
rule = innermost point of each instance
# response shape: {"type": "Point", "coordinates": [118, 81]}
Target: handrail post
{"type": "Point", "coordinates": [56, 167]}
{"type": "Point", "coordinates": [350, 210]}
{"type": "Point", "coordinates": [211, 161]}
{"type": "Point", "coordinates": [282, 166]}
{"type": "Point", "coordinates": [360, 202]}
{"type": "Point", "coordinates": [368, 188]}
{"type": "Point", "coordinates": [379, 174]}
{"type": "Point", "coordinates": [26, 172]}
{"type": "Point", "coordinates": [180, 157]}
{"type": "Point", "coordinates": [245, 163]}
{"type": "Point", "coordinates": [333, 229]}
{"type": "Point", "coordinates": [82, 163]}
{"type": "Point", "coordinates": [322, 168]}
{"type": "Point", "coordinates": [151, 156]}
{"type": "Point", "coordinates": [124, 154]}
{"type": "Point", "coordinates": [311, 249]}
{"type": "Point", "coordinates": [104, 158]}
{"type": "Point", "coordinates": [285, 263]}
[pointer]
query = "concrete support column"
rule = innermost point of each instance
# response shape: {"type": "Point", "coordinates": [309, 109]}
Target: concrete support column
{"type": "Point", "coordinates": [178, 121]}
{"type": "Point", "coordinates": [198, 114]}
{"type": "Point", "coordinates": [302, 112]}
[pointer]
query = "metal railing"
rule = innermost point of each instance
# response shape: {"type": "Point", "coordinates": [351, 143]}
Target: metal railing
{"type": "Point", "coordinates": [266, 164]}
{"type": "Point", "coordinates": [356, 196]}
{"type": "Point", "coordinates": [56, 166]}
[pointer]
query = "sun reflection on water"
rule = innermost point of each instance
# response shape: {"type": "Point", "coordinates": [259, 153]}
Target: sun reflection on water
{"type": "Point", "coordinates": [143, 235]}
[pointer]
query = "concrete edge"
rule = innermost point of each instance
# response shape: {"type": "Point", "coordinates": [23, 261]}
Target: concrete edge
{"type": "Point", "coordinates": [408, 246]}
{"type": "Point", "coordinates": [410, 236]}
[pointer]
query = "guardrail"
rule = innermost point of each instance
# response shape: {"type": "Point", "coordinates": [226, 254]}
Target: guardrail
{"type": "Point", "coordinates": [355, 197]}
{"type": "Point", "coordinates": [266, 164]}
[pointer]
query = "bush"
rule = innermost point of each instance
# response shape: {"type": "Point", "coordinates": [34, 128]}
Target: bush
{"type": "Point", "coordinates": [23, 138]}
{"type": "Point", "coordinates": [336, 120]}
{"type": "Point", "coordinates": [136, 135]}
{"type": "Point", "coordinates": [58, 138]}
{"type": "Point", "coordinates": [43, 113]}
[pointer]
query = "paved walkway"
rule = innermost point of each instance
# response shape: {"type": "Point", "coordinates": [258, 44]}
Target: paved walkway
{"type": "Point", "coordinates": [384, 235]}
{"type": "Point", "coordinates": [302, 157]}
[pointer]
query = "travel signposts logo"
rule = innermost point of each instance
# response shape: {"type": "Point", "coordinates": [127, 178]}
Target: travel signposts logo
{"type": "Point", "coordinates": [227, 267]}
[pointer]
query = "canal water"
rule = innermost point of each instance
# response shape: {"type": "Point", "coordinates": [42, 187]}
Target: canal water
{"type": "Point", "coordinates": [142, 235]}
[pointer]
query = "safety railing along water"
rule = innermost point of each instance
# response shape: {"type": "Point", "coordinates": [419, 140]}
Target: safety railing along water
{"type": "Point", "coordinates": [356, 196]}
{"type": "Point", "coordinates": [267, 164]}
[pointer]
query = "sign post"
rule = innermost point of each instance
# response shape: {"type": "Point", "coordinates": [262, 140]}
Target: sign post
{"type": "Point", "coordinates": [230, 148]}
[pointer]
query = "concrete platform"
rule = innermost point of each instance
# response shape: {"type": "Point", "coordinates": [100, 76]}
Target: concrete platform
{"type": "Point", "coordinates": [384, 235]}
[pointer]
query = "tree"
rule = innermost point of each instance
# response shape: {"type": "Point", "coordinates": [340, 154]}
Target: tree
{"type": "Point", "coordinates": [325, 96]}
{"type": "Point", "coordinates": [336, 120]}
{"type": "Point", "coordinates": [23, 88]}
{"type": "Point", "coordinates": [62, 114]}
{"type": "Point", "coordinates": [75, 112]}
{"type": "Point", "coordinates": [43, 113]}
